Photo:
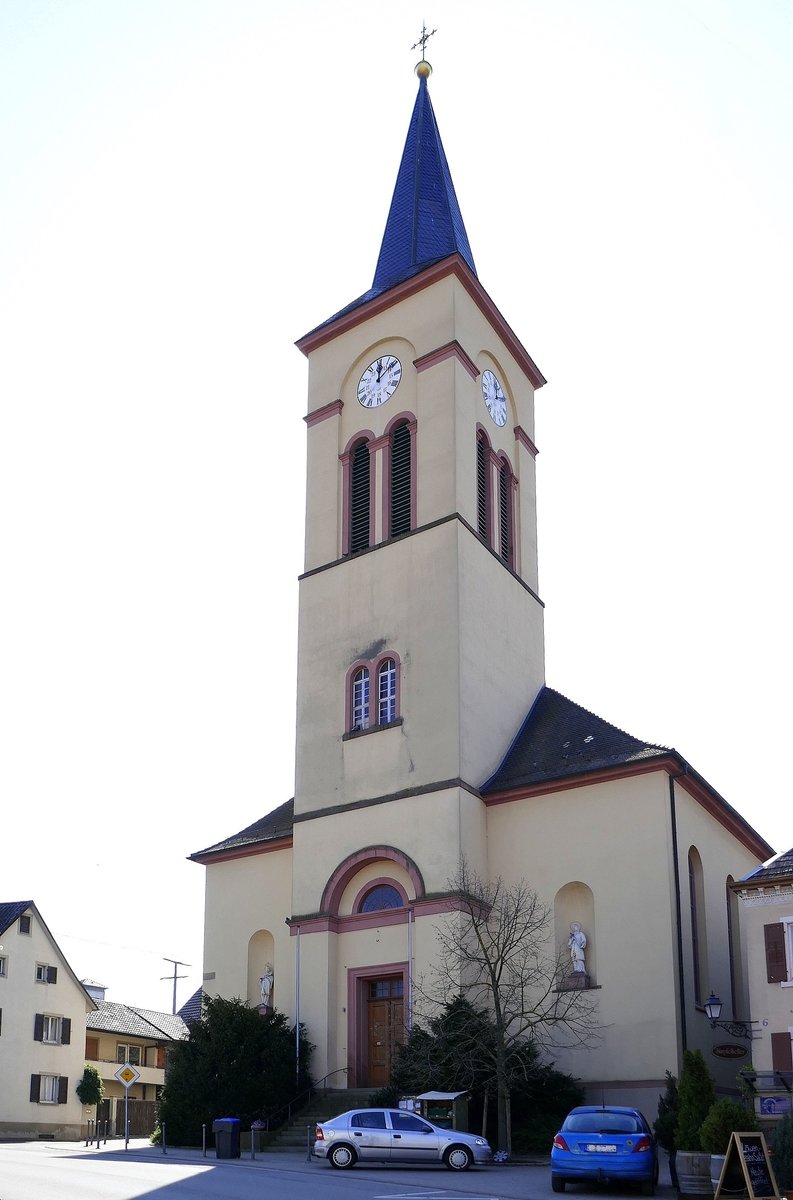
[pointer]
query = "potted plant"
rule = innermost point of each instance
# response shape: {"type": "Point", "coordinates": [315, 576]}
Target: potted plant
{"type": "Point", "coordinates": [696, 1095]}
{"type": "Point", "coordinates": [782, 1155]}
{"type": "Point", "coordinates": [724, 1118]}
{"type": "Point", "coordinates": [666, 1121]}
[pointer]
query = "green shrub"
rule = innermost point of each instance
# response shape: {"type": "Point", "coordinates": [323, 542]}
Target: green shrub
{"type": "Point", "coordinates": [724, 1118]}
{"type": "Point", "coordinates": [782, 1156]}
{"type": "Point", "coordinates": [696, 1094]}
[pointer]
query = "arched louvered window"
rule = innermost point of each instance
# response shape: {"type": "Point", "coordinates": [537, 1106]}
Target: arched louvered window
{"type": "Point", "coordinates": [482, 489]}
{"type": "Point", "coordinates": [360, 699]}
{"type": "Point", "coordinates": [505, 519]}
{"type": "Point", "coordinates": [386, 691]}
{"type": "Point", "coordinates": [359, 498]}
{"type": "Point", "coordinates": [400, 480]}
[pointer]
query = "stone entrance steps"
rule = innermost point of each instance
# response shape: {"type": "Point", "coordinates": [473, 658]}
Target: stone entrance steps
{"type": "Point", "coordinates": [321, 1107]}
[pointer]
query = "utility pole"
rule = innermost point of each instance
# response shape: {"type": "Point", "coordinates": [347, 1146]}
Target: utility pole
{"type": "Point", "coordinates": [176, 965]}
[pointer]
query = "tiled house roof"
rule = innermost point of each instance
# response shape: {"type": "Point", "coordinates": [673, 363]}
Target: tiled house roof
{"type": "Point", "coordinates": [778, 869]}
{"type": "Point", "coordinates": [191, 1009]}
{"type": "Point", "coordinates": [137, 1022]}
{"type": "Point", "coordinates": [12, 910]}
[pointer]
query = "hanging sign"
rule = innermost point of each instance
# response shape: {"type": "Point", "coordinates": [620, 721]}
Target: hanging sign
{"type": "Point", "coordinates": [747, 1168]}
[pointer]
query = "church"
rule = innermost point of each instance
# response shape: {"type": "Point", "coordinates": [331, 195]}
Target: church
{"type": "Point", "coordinates": [426, 734]}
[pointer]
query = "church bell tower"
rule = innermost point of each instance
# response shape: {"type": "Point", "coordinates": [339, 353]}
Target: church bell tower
{"type": "Point", "coordinates": [420, 625]}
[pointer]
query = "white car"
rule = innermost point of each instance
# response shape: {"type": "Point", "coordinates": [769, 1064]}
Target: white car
{"type": "Point", "coordinates": [394, 1136]}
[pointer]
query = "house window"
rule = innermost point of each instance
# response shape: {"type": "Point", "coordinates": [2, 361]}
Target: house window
{"type": "Point", "coordinates": [383, 896]}
{"type": "Point", "coordinates": [3, 969]}
{"type": "Point", "coordinates": [360, 699]}
{"type": "Point", "coordinates": [366, 711]}
{"type": "Point", "coordinates": [386, 691]}
{"type": "Point", "coordinates": [55, 1030]}
{"type": "Point", "coordinates": [46, 974]}
{"type": "Point", "coordinates": [49, 1089]}
{"type": "Point", "coordinates": [128, 1054]}
{"type": "Point", "coordinates": [92, 1048]}
{"type": "Point", "coordinates": [51, 1031]}
{"type": "Point", "coordinates": [359, 498]}
{"type": "Point", "coordinates": [24, 924]}
{"type": "Point", "coordinates": [401, 479]}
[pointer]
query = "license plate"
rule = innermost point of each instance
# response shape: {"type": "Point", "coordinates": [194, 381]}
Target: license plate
{"type": "Point", "coordinates": [601, 1148]}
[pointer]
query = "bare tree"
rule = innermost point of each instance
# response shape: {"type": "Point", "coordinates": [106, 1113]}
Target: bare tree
{"type": "Point", "coordinates": [497, 951]}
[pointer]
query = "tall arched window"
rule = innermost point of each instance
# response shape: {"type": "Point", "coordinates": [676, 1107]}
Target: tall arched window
{"type": "Point", "coordinates": [699, 940]}
{"type": "Point", "coordinates": [401, 479]}
{"type": "Point", "coordinates": [360, 698]}
{"type": "Point", "coordinates": [386, 691]}
{"type": "Point", "coordinates": [482, 488]}
{"type": "Point", "coordinates": [505, 513]}
{"type": "Point", "coordinates": [359, 498]}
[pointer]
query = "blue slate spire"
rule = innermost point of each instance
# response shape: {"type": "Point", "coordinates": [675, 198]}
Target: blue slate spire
{"type": "Point", "coordinates": [424, 223]}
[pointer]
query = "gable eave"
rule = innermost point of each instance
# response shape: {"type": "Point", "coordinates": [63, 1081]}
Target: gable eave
{"type": "Point", "coordinates": [454, 265]}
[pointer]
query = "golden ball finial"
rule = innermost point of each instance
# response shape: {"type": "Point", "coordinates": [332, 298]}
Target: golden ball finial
{"type": "Point", "coordinates": [423, 69]}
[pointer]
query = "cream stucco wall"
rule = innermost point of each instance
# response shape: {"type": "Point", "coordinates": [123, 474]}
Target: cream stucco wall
{"type": "Point", "coordinates": [771, 1004]}
{"type": "Point", "coordinates": [21, 997]}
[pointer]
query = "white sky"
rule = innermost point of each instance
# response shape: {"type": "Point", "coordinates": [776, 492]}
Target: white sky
{"type": "Point", "coordinates": [186, 187]}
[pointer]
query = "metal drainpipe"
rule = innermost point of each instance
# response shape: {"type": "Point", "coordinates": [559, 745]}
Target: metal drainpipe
{"type": "Point", "coordinates": [678, 912]}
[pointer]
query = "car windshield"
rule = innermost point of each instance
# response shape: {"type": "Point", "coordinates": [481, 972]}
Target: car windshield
{"type": "Point", "coordinates": [602, 1122]}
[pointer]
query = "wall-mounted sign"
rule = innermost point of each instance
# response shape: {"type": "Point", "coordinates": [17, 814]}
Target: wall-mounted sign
{"type": "Point", "coordinates": [729, 1050]}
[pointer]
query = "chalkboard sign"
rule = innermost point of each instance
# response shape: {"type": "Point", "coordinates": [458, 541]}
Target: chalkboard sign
{"type": "Point", "coordinates": [747, 1163]}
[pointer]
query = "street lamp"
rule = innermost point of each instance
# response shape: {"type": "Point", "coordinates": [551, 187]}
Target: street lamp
{"type": "Point", "coordinates": [737, 1029]}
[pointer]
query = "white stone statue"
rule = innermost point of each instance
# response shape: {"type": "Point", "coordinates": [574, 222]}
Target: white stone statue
{"type": "Point", "coordinates": [266, 983]}
{"type": "Point", "coordinates": [577, 944]}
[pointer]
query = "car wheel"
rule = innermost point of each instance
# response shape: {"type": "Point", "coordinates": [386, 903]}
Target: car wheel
{"type": "Point", "coordinates": [557, 1183]}
{"type": "Point", "coordinates": [342, 1157]}
{"type": "Point", "coordinates": [458, 1158]}
{"type": "Point", "coordinates": [648, 1187]}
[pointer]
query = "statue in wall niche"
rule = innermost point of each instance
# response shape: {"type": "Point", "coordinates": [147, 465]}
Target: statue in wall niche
{"type": "Point", "coordinates": [266, 984]}
{"type": "Point", "coordinates": [577, 944]}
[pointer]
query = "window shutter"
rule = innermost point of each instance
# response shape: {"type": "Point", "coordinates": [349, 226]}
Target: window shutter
{"type": "Point", "coordinates": [92, 1047]}
{"type": "Point", "coordinates": [781, 1052]}
{"type": "Point", "coordinates": [38, 1027]}
{"type": "Point", "coordinates": [35, 1088]}
{"type": "Point", "coordinates": [66, 1031]}
{"type": "Point", "coordinates": [481, 486]}
{"type": "Point", "coordinates": [359, 499]}
{"type": "Point", "coordinates": [52, 974]}
{"type": "Point", "coordinates": [63, 1089]}
{"type": "Point", "coordinates": [776, 968]}
{"type": "Point", "coordinates": [400, 480]}
{"type": "Point", "coordinates": [505, 514]}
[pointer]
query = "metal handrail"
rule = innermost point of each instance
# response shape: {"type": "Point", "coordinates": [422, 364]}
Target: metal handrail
{"type": "Point", "coordinates": [304, 1095]}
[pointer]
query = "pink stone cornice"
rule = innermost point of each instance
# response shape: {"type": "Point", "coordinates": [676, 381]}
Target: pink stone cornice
{"type": "Point", "coordinates": [453, 265]}
{"type": "Point", "coordinates": [450, 350]}
{"type": "Point", "coordinates": [321, 414]}
{"type": "Point", "coordinates": [525, 441]}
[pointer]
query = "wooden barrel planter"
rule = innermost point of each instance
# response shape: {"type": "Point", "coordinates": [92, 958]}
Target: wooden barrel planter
{"type": "Point", "coordinates": [693, 1173]}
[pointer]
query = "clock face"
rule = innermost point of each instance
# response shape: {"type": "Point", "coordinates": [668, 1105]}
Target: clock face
{"type": "Point", "coordinates": [379, 381]}
{"type": "Point", "coordinates": [494, 396]}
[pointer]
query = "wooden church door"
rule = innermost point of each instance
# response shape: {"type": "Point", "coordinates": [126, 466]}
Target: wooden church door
{"type": "Point", "coordinates": [386, 1026]}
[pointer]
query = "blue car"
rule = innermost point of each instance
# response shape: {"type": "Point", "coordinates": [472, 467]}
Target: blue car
{"type": "Point", "coordinates": [604, 1145]}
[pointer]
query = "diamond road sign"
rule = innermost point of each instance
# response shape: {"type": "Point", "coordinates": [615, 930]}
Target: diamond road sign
{"type": "Point", "coordinates": [127, 1075]}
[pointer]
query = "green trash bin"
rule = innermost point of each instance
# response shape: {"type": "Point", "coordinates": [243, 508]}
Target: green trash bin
{"type": "Point", "coordinates": [227, 1137]}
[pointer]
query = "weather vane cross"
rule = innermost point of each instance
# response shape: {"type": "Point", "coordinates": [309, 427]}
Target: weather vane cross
{"type": "Point", "coordinates": [425, 37]}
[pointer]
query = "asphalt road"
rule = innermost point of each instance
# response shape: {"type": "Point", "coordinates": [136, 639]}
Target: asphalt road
{"type": "Point", "coordinates": [69, 1171]}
